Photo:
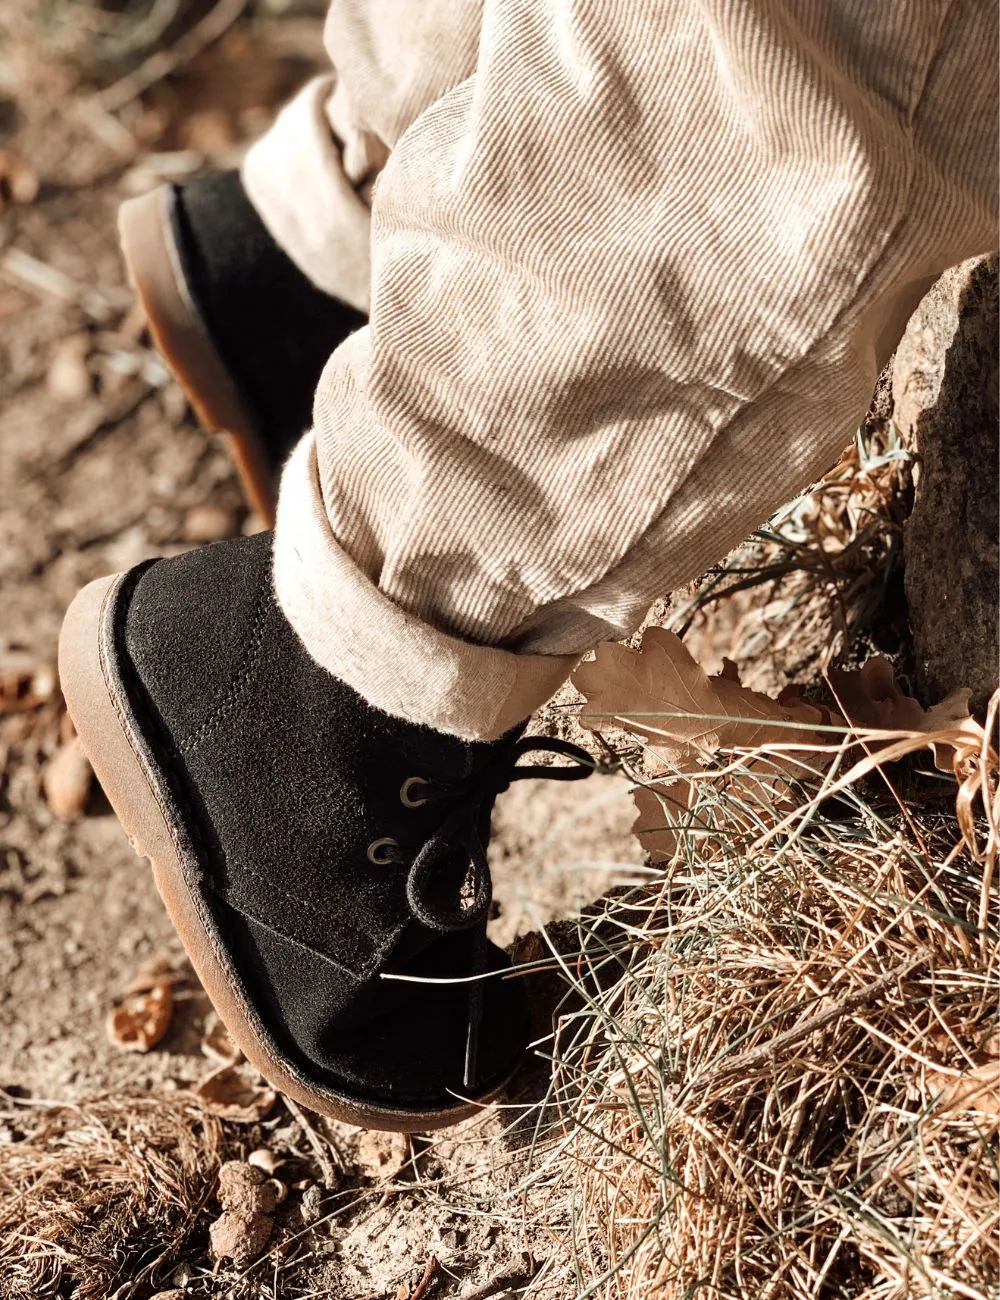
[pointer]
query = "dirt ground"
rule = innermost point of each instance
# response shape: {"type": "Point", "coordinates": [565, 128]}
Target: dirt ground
{"type": "Point", "coordinates": [103, 467]}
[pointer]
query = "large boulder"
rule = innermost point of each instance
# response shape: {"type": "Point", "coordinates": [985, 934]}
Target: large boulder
{"type": "Point", "coordinates": [944, 390]}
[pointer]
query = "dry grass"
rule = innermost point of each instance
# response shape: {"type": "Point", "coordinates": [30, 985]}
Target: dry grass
{"type": "Point", "coordinates": [96, 1198]}
{"type": "Point", "coordinates": [792, 1090]}
{"type": "Point", "coordinates": [75, 41]}
{"type": "Point", "coordinates": [807, 587]}
{"type": "Point", "coordinates": [784, 1080]}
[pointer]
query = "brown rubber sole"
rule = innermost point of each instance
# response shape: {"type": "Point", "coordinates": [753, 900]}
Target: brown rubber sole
{"type": "Point", "coordinates": [154, 268]}
{"type": "Point", "coordinates": [112, 740]}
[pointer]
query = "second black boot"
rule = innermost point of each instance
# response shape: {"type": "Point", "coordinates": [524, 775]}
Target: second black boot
{"type": "Point", "coordinates": [245, 333]}
{"type": "Point", "coordinates": [323, 862]}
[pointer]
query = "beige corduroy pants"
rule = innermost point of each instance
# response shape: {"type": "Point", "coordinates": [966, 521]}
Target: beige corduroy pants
{"type": "Point", "coordinates": [632, 268]}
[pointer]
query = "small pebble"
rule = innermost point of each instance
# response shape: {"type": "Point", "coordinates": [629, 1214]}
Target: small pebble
{"type": "Point", "coordinates": [174, 403]}
{"type": "Point", "coordinates": [264, 1159]}
{"type": "Point", "coordinates": [67, 781]}
{"type": "Point", "coordinates": [311, 1205]}
{"type": "Point", "coordinates": [239, 1236]}
{"type": "Point", "coordinates": [209, 523]}
{"type": "Point", "coordinates": [68, 379]}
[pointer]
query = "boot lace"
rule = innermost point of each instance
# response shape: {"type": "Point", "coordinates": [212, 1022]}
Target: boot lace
{"type": "Point", "coordinates": [464, 832]}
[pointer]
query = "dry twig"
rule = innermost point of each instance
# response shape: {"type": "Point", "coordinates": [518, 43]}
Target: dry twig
{"type": "Point", "coordinates": [163, 62]}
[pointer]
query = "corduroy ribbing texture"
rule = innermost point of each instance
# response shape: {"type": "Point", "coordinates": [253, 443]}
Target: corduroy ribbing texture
{"type": "Point", "coordinates": [634, 269]}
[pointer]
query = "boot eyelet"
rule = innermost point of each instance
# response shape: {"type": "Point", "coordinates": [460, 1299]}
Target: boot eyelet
{"type": "Point", "coordinates": [406, 792]}
{"type": "Point", "coordinates": [377, 851]}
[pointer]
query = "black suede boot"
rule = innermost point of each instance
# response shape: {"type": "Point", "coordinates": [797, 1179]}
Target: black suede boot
{"type": "Point", "coordinates": [306, 845]}
{"type": "Point", "coordinates": [243, 330]}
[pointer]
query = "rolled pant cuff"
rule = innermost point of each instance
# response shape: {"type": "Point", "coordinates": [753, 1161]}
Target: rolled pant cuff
{"type": "Point", "coordinates": [294, 178]}
{"type": "Point", "coordinates": [403, 666]}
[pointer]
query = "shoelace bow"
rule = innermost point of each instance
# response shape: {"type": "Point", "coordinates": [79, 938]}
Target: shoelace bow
{"type": "Point", "coordinates": [462, 832]}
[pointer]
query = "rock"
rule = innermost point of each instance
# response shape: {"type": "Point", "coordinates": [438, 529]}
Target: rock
{"type": "Point", "coordinates": [311, 1205]}
{"type": "Point", "coordinates": [67, 781]}
{"type": "Point", "coordinates": [239, 1236]}
{"type": "Point", "coordinates": [944, 389]}
{"type": "Point", "coordinates": [247, 1198]}
{"type": "Point", "coordinates": [246, 1189]}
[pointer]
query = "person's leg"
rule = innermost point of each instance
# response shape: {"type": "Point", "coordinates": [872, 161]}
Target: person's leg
{"type": "Point", "coordinates": [632, 284]}
{"type": "Point", "coordinates": [244, 332]}
{"type": "Point", "coordinates": [311, 176]}
{"type": "Point", "coordinates": [250, 281]}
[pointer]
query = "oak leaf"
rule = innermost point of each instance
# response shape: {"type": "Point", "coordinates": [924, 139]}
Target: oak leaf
{"type": "Point", "coordinates": [976, 1089]}
{"type": "Point", "coordinates": [663, 695]}
{"type": "Point", "coordinates": [231, 1095]}
{"type": "Point", "coordinates": [143, 1018]}
{"type": "Point", "coordinates": [669, 812]}
{"type": "Point", "coordinates": [872, 698]}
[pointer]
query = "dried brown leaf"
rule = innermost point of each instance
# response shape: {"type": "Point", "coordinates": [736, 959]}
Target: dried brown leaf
{"type": "Point", "coordinates": [663, 814]}
{"type": "Point", "coordinates": [662, 694]}
{"type": "Point", "coordinates": [527, 949]}
{"type": "Point", "coordinates": [141, 1021]}
{"type": "Point", "coordinates": [217, 1045]}
{"type": "Point", "coordinates": [976, 1089]}
{"type": "Point", "coordinates": [640, 690]}
{"type": "Point", "coordinates": [24, 686]}
{"type": "Point", "coordinates": [872, 698]}
{"type": "Point", "coordinates": [669, 811]}
{"type": "Point", "coordinates": [759, 720]}
{"type": "Point", "coordinates": [230, 1094]}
